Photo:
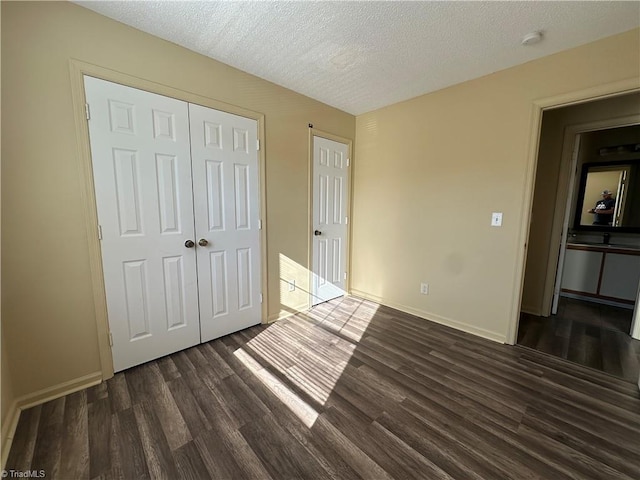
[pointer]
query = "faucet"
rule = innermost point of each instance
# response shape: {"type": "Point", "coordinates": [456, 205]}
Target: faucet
{"type": "Point", "coordinates": [605, 238]}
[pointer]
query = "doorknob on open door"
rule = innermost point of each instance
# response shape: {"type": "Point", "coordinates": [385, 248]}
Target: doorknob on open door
{"type": "Point", "coordinates": [203, 242]}
{"type": "Point", "coordinates": [189, 244]}
{"type": "Point", "coordinates": [317, 233]}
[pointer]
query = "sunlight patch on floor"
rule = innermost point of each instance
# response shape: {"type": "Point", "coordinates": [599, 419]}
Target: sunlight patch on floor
{"type": "Point", "coordinates": [299, 407]}
{"type": "Point", "coordinates": [310, 356]}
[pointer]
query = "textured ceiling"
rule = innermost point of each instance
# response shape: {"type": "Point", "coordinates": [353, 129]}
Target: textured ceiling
{"type": "Point", "coordinates": [360, 56]}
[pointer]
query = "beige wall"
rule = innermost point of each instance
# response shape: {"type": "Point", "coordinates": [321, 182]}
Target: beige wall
{"type": "Point", "coordinates": [47, 298]}
{"type": "Point", "coordinates": [7, 396]}
{"type": "Point", "coordinates": [430, 171]}
{"type": "Point", "coordinates": [541, 242]}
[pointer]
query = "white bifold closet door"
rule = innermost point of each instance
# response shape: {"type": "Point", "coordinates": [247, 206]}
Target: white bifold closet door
{"type": "Point", "coordinates": [225, 191]}
{"type": "Point", "coordinates": [171, 195]}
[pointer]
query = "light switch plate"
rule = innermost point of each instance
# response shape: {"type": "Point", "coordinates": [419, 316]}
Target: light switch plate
{"type": "Point", "coordinates": [496, 219]}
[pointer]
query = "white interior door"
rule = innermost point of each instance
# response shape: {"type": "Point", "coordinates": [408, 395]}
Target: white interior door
{"type": "Point", "coordinates": [330, 200]}
{"type": "Point", "coordinates": [226, 198]}
{"type": "Point", "coordinates": [140, 150]}
{"type": "Point", "coordinates": [565, 227]}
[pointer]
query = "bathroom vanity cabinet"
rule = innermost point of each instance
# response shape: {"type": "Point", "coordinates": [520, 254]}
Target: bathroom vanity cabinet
{"type": "Point", "coordinates": [606, 272]}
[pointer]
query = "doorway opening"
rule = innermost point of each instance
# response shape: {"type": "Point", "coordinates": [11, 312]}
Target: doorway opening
{"type": "Point", "coordinates": [581, 279]}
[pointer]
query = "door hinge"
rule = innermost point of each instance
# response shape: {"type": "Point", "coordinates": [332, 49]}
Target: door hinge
{"type": "Point", "coordinates": [260, 298]}
{"type": "Point", "coordinates": [259, 224]}
{"type": "Point", "coordinates": [346, 220]}
{"type": "Point", "coordinates": [258, 144]}
{"type": "Point", "coordinates": [99, 232]}
{"type": "Point", "coordinates": [345, 275]}
{"type": "Point", "coordinates": [87, 111]}
{"type": "Point", "coordinates": [110, 339]}
{"type": "Point", "coordinates": [348, 162]}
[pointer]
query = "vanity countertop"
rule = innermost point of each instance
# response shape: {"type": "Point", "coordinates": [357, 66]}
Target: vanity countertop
{"type": "Point", "coordinates": [605, 247]}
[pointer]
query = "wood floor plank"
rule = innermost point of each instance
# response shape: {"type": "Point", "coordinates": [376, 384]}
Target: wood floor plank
{"type": "Point", "coordinates": [195, 419]}
{"type": "Point", "coordinates": [243, 404]}
{"type": "Point", "coordinates": [351, 390]}
{"type": "Point", "coordinates": [132, 459]}
{"type": "Point", "coordinates": [99, 431]}
{"type": "Point", "coordinates": [138, 384]}
{"type": "Point", "coordinates": [439, 449]}
{"type": "Point", "coordinates": [47, 450]}
{"type": "Point", "coordinates": [410, 459]}
{"type": "Point", "coordinates": [512, 462]}
{"type": "Point", "coordinates": [212, 405]}
{"type": "Point", "coordinates": [196, 357]}
{"type": "Point", "coordinates": [170, 418]}
{"type": "Point", "coordinates": [226, 452]}
{"type": "Point", "coordinates": [578, 371]}
{"type": "Point", "coordinates": [282, 455]}
{"type": "Point", "coordinates": [352, 455]}
{"type": "Point", "coordinates": [118, 393]}
{"type": "Point", "coordinates": [116, 472]}
{"type": "Point", "coordinates": [221, 369]}
{"type": "Point", "coordinates": [24, 441]}
{"type": "Point", "coordinates": [217, 458]}
{"type": "Point", "coordinates": [588, 420]}
{"type": "Point", "coordinates": [189, 463]}
{"type": "Point", "coordinates": [567, 458]}
{"type": "Point", "coordinates": [360, 432]}
{"type": "Point", "coordinates": [621, 400]}
{"type": "Point", "coordinates": [182, 362]}
{"type": "Point", "coordinates": [160, 461]}
{"type": "Point", "coordinates": [610, 354]}
{"type": "Point", "coordinates": [75, 454]}
{"type": "Point", "coordinates": [520, 384]}
{"type": "Point", "coordinates": [616, 455]}
{"type": "Point", "coordinates": [168, 368]}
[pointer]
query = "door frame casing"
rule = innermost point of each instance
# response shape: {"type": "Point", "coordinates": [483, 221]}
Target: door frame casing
{"type": "Point", "coordinates": [613, 89]}
{"type": "Point", "coordinates": [313, 132]}
{"type": "Point", "coordinates": [78, 69]}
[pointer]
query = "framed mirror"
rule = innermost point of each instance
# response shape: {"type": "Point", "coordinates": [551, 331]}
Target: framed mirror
{"type": "Point", "coordinates": [609, 197]}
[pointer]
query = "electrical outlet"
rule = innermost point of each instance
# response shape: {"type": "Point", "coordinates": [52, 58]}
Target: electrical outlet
{"type": "Point", "coordinates": [424, 288]}
{"type": "Point", "coordinates": [292, 285]}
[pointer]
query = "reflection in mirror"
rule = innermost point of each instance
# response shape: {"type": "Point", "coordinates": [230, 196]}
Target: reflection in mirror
{"type": "Point", "coordinates": [609, 196]}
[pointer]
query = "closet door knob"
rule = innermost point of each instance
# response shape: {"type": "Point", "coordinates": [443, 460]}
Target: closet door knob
{"type": "Point", "coordinates": [189, 244]}
{"type": "Point", "coordinates": [203, 242]}
{"type": "Point", "coordinates": [317, 233]}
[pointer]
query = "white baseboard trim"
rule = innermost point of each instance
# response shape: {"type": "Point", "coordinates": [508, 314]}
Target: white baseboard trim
{"type": "Point", "coordinates": [602, 301]}
{"type": "Point", "coordinates": [282, 314]}
{"type": "Point", "coordinates": [36, 398]}
{"type": "Point", "coordinates": [465, 327]}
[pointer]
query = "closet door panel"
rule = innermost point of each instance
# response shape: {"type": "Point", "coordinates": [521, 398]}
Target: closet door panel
{"type": "Point", "coordinates": [140, 149]}
{"type": "Point", "coordinates": [226, 204]}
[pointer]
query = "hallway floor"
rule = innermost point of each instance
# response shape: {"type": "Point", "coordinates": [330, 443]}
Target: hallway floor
{"type": "Point", "coordinates": [587, 333]}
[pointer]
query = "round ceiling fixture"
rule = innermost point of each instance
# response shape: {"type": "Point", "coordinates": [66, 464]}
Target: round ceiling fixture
{"type": "Point", "coordinates": [532, 38]}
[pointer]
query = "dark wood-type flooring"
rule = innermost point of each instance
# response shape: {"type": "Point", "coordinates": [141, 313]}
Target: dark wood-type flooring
{"type": "Point", "coordinates": [348, 390]}
{"type": "Point", "coordinates": [587, 333]}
